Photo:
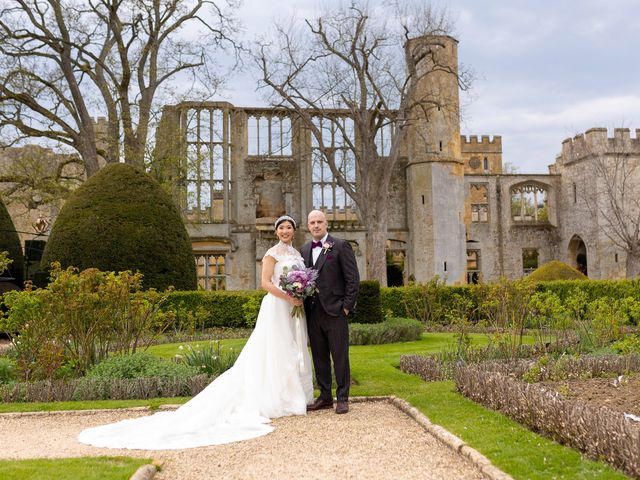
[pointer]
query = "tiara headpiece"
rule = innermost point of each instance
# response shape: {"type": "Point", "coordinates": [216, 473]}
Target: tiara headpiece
{"type": "Point", "coordinates": [285, 218]}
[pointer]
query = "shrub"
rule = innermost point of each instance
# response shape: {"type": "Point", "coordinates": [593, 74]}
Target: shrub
{"type": "Point", "coordinates": [8, 371]}
{"type": "Point", "coordinates": [209, 359]}
{"type": "Point", "coordinates": [10, 243]}
{"type": "Point", "coordinates": [103, 389]}
{"type": "Point", "coordinates": [368, 307]}
{"type": "Point", "coordinates": [506, 306]}
{"type": "Point", "coordinates": [627, 345]}
{"type": "Point", "coordinates": [120, 219]}
{"type": "Point", "coordinates": [555, 270]}
{"type": "Point", "coordinates": [390, 331]}
{"type": "Point", "coordinates": [217, 309]}
{"type": "Point", "coordinates": [139, 365]}
{"type": "Point", "coordinates": [250, 310]}
{"type": "Point", "coordinates": [81, 317]}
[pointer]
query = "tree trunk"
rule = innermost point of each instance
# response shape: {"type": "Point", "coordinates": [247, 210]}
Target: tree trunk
{"type": "Point", "coordinates": [87, 149]}
{"type": "Point", "coordinates": [633, 264]}
{"type": "Point", "coordinates": [376, 240]}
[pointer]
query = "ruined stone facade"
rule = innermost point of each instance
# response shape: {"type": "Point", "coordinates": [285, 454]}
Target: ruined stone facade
{"type": "Point", "coordinates": [452, 211]}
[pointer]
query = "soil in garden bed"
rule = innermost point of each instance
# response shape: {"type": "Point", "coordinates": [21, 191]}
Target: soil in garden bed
{"type": "Point", "coordinates": [622, 396]}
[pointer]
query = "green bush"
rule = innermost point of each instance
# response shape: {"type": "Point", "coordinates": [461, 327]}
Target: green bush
{"type": "Point", "coordinates": [218, 308]}
{"type": "Point", "coordinates": [368, 307]}
{"type": "Point", "coordinates": [433, 303]}
{"type": "Point", "coordinates": [592, 289]}
{"type": "Point", "coordinates": [140, 365]}
{"type": "Point", "coordinates": [8, 371]}
{"type": "Point", "coordinates": [250, 310]}
{"type": "Point", "coordinates": [10, 243]}
{"type": "Point", "coordinates": [389, 331]}
{"type": "Point", "coordinates": [555, 270]}
{"type": "Point", "coordinates": [429, 302]}
{"type": "Point", "coordinates": [80, 318]}
{"type": "Point", "coordinates": [628, 345]}
{"type": "Point", "coordinates": [121, 219]}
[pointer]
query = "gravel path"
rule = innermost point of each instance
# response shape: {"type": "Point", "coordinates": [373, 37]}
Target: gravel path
{"type": "Point", "coordinates": [374, 440]}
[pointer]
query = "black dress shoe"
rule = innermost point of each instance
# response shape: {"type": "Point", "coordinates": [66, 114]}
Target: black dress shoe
{"type": "Point", "coordinates": [342, 406]}
{"type": "Point", "coordinates": [320, 404]}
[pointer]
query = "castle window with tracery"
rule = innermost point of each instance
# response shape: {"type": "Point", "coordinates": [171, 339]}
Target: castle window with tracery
{"type": "Point", "coordinates": [529, 203]}
{"type": "Point", "coordinates": [269, 134]}
{"type": "Point", "coordinates": [338, 137]}
{"type": "Point", "coordinates": [207, 168]}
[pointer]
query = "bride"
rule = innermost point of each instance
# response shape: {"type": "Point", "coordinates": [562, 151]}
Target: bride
{"type": "Point", "coordinates": [271, 377]}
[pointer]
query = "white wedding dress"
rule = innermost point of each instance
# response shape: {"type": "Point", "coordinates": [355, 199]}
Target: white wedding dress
{"type": "Point", "coordinates": [271, 378]}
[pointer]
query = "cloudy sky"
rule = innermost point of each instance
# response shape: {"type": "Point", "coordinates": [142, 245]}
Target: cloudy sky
{"type": "Point", "coordinates": [547, 69]}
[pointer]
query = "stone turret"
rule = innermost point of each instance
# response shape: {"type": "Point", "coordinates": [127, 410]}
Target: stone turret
{"type": "Point", "coordinates": [435, 170]}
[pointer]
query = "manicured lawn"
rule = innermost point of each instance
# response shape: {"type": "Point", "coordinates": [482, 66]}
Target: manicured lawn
{"type": "Point", "coordinates": [169, 350]}
{"type": "Point", "coordinates": [85, 468]}
{"type": "Point", "coordinates": [511, 447]}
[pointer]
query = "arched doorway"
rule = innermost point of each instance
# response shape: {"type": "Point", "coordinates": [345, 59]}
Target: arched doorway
{"type": "Point", "coordinates": [578, 254]}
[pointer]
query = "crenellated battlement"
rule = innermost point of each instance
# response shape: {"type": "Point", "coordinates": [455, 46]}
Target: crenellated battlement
{"type": "Point", "coordinates": [484, 140]}
{"type": "Point", "coordinates": [597, 141]}
{"type": "Point", "coordinates": [482, 144]}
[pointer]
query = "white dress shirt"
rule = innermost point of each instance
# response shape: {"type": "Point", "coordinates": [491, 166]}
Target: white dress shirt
{"type": "Point", "coordinates": [315, 253]}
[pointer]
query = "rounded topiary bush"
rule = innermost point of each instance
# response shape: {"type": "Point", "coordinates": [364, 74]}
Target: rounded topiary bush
{"type": "Point", "coordinates": [10, 242]}
{"type": "Point", "coordinates": [556, 270]}
{"type": "Point", "coordinates": [121, 219]}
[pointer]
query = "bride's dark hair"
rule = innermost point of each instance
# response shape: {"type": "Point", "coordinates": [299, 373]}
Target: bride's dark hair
{"type": "Point", "coordinates": [285, 218]}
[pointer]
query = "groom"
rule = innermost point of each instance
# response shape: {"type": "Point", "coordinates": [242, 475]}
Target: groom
{"type": "Point", "coordinates": [327, 311]}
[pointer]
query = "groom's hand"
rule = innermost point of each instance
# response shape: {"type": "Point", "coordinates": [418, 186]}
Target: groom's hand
{"type": "Point", "coordinates": [346, 311]}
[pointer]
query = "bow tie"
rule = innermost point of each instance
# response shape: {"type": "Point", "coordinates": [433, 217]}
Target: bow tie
{"type": "Point", "coordinates": [316, 244]}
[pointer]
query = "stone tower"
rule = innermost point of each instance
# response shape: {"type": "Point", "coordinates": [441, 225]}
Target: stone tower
{"type": "Point", "coordinates": [435, 170]}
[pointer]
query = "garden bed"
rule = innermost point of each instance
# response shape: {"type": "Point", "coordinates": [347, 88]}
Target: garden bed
{"type": "Point", "coordinates": [622, 395]}
{"type": "Point", "coordinates": [568, 403]}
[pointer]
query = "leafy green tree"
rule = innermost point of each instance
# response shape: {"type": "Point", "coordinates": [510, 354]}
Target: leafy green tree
{"type": "Point", "coordinates": [121, 219]}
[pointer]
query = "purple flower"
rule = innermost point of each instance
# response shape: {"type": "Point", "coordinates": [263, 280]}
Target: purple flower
{"type": "Point", "coordinates": [299, 282]}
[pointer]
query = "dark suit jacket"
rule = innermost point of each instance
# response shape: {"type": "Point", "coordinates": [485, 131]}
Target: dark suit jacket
{"type": "Point", "coordinates": [338, 278]}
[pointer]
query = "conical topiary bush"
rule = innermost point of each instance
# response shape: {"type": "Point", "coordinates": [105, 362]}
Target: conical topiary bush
{"type": "Point", "coordinates": [10, 242]}
{"type": "Point", "coordinates": [121, 219]}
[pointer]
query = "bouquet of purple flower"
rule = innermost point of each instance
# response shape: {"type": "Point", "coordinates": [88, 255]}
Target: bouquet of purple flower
{"type": "Point", "coordinates": [298, 282]}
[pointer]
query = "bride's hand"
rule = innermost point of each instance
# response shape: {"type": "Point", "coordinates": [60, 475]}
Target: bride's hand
{"type": "Point", "coordinates": [295, 301]}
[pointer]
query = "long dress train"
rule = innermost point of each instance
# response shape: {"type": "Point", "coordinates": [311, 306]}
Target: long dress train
{"type": "Point", "coordinates": [271, 378]}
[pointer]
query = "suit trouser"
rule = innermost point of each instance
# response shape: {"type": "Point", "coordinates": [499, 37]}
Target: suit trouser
{"type": "Point", "coordinates": [329, 339]}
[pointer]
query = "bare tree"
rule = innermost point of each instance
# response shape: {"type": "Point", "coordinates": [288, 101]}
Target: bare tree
{"type": "Point", "coordinates": [61, 60]}
{"type": "Point", "coordinates": [613, 170]}
{"type": "Point", "coordinates": [352, 63]}
{"type": "Point", "coordinates": [34, 176]}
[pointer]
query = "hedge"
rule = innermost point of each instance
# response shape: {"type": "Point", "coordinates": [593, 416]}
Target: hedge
{"type": "Point", "coordinates": [396, 301]}
{"type": "Point", "coordinates": [368, 308]}
{"type": "Point", "coordinates": [225, 308]}
{"type": "Point", "coordinates": [239, 308]}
